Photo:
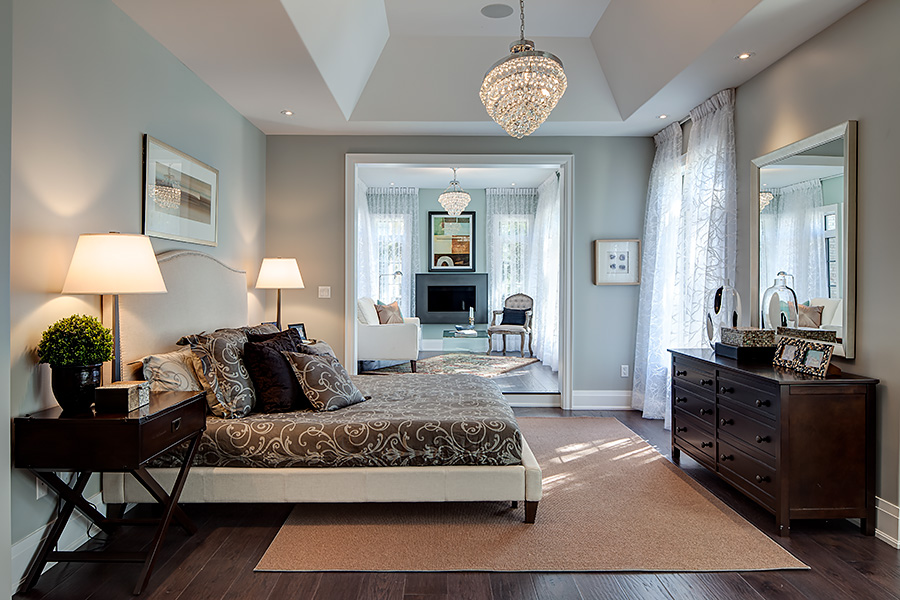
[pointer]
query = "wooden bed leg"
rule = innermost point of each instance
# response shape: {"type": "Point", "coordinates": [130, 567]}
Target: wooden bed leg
{"type": "Point", "coordinates": [530, 511]}
{"type": "Point", "coordinates": [515, 504]}
{"type": "Point", "coordinates": [412, 366]}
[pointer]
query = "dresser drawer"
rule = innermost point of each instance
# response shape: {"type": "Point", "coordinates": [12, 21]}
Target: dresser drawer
{"type": "Point", "coordinates": [692, 431]}
{"type": "Point", "coordinates": [171, 427]}
{"type": "Point", "coordinates": [759, 435]}
{"type": "Point", "coordinates": [742, 470]}
{"type": "Point", "coordinates": [688, 371]}
{"type": "Point", "coordinates": [689, 401]}
{"type": "Point", "coordinates": [762, 400]}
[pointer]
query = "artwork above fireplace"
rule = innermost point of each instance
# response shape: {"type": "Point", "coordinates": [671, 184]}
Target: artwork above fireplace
{"type": "Point", "coordinates": [447, 297]}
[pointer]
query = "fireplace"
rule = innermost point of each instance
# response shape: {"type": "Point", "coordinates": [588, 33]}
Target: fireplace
{"type": "Point", "coordinates": [447, 297]}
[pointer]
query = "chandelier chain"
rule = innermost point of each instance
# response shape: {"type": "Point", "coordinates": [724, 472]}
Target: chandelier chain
{"type": "Point", "coordinates": [522, 19]}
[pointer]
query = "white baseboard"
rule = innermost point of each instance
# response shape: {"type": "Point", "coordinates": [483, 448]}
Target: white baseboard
{"type": "Point", "coordinates": [533, 400]}
{"type": "Point", "coordinates": [73, 536]}
{"type": "Point", "coordinates": [601, 400]}
{"type": "Point", "coordinates": [887, 522]}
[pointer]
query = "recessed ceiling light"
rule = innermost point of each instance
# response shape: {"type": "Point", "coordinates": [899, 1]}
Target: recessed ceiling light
{"type": "Point", "coordinates": [392, 183]}
{"type": "Point", "coordinates": [663, 117]}
{"type": "Point", "coordinates": [745, 55]}
{"type": "Point", "coordinates": [288, 113]}
{"type": "Point", "coordinates": [497, 11]}
{"type": "Point", "coordinates": [513, 184]}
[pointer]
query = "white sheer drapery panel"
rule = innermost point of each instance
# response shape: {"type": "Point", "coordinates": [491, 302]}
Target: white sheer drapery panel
{"type": "Point", "coordinates": [510, 221]}
{"type": "Point", "coordinates": [658, 304]}
{"type": "Point", "coordinates": [366, 270]}
{"type": "Point", "coordinates": [542, 275]}
{"type": "Point", "coordinates": [394, 244]}
{"type": "Point", "coordinates": [792, 239]}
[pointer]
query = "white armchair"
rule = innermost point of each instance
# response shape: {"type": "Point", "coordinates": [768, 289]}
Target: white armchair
{"type": "Point", "coordinates": [395, 341]}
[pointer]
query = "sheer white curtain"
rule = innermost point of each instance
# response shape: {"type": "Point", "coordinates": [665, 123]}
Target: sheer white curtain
{"type": "Point", "coordinates": [542, 275]}
{"type": "Point", "coordinates": [703, 250]}
{"type": "Point", "coordinates": [792, 239]}
{"type": "Point", "coordinates": [366, 270]}
{"type": "Point", "coordinates": [510, 221]}
{"type": "Point", "coordinates": [392, 245]}
{"type": "Point", "coordinates": [657, 304]}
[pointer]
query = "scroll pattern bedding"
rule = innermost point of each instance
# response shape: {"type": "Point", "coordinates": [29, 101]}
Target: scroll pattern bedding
{"type": "Point", "coordinates": [410, 420]}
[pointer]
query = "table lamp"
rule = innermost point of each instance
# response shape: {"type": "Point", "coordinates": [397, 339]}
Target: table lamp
{"type": "Point", "coordinates": [279, 274]}
{"type": "Point", "coordinates": [114, 263]}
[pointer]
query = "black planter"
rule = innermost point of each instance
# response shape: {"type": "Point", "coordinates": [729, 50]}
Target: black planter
{"type": "Point", "coordinates": [74, 387]}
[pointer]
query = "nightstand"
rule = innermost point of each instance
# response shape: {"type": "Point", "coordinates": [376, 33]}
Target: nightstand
{"type": "Point", "coordinates": [49, 441]}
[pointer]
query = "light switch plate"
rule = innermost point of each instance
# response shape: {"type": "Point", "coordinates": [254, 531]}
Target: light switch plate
{"type": "Point", "coordinates": [324, 291]}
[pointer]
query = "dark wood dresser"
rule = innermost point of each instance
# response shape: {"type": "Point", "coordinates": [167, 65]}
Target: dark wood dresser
{"type": "Point", "coordinates": [800, 446]}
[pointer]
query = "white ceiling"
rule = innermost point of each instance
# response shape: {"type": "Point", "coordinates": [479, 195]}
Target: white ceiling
{"type": "Point", "coordinates": [470, 177]}
{"type": "Point", "coordinates": [415, 66]}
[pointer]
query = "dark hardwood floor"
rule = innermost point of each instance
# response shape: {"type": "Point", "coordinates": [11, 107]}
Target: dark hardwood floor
{"type": "Point", "coordinates": [217, 562]}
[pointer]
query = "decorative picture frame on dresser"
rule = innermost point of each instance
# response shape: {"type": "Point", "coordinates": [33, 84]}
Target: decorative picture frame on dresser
{"type": "Point", "coordinates": [180, 195]}
{"type": "Point", "coordinates": [804, 356]}
{"type": "Point", "coordinates": [617, 262]}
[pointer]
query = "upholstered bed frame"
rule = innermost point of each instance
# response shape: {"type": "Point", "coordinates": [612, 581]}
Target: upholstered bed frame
{"type": "Point", "coordinates": [204, 295]}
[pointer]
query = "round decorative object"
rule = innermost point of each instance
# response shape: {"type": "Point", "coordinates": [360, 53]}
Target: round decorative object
{"type": "Point", "coordinates": [779, 304]}
{"type": "Point", "coordinates": [74, 387]}
{"type": "Point", "coordinates": [724, 311]}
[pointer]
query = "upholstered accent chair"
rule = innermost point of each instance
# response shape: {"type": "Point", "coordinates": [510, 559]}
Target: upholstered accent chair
{"type": "Point", "coordinates": [515, 320]}
{"type": "Point", "coordinates": [394, 341]}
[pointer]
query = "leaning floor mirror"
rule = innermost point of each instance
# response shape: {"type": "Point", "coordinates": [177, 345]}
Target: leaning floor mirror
{"type": "Point", "coordinates": [805, 230]}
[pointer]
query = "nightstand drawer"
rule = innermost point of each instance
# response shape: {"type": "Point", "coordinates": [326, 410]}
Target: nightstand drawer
{"type": "Point", "coordinates": [689, 402]}
{"type": "Point", "coordinates": [172, 427]}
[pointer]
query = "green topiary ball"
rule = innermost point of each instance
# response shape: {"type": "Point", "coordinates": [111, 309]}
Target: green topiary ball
{"type": "Point", "coordinates": [76, 340]}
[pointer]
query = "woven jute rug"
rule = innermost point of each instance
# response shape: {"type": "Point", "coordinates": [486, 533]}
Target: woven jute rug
{"type": "Point", "coordinates": [611, 503]}
{"type": "Point", "coordinates": [460, 363]}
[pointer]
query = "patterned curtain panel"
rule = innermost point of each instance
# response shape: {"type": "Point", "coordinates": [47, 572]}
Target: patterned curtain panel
{"type": "Point", "coordinates": [392, 246]}
{"type": "Point", "coordinates": [542, 275]}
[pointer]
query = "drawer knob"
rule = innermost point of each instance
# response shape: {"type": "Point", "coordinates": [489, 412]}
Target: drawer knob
{"type": "Point", "coordinates": [762, 479]}
{"type": "Point", "coordinates": [761, 403]}
{"type": "Point", "coordinates": [704, 411]}
{"type": "Point", "coordinates": [706, 444]}
{"type": "Point", "coordinates": [725, 422]}
{"type": "Point", "coordinates": [760, 439]}
{"type": "Point", "coordinates": [726, 390]}
{"type": "Point", "coordinates": [680, 429]}
{"type": "Point", "coordinates": [725, 457]}
{"type": "Point", "coordinates": [678, 400]}
{"type": "Point", "coordinates": [706, 382]}
{"type": "Point", "coordinates": [680, 373]}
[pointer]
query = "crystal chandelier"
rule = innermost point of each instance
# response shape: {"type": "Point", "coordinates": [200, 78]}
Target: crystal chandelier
{"type": "Point", "coordinates": [166, 193]}
{"type": "Point", "coordinates": [521, 90]}
{"type": "Point", "coordinates": [764, 199]}
{"type": "Point", "coordinates": [454, 199]}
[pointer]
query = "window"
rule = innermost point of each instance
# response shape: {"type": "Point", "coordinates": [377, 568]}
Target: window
{"type": "Point", "coordinates": [511, 244]}
{"type": "Point", "coordinates": [832, 255]}
{"type": "Point", "coordinates": [390, 232]}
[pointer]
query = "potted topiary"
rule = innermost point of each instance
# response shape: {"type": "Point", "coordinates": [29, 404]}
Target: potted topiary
{"type": "Point", "coordinates": [75, 348]}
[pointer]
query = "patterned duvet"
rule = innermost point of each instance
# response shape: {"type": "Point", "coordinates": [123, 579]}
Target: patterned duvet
{"type": "Point", "coordinates": [410, 420]}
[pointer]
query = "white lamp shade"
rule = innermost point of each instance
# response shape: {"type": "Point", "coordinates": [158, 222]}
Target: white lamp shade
{"type": "Point", "coordinates": [279, 273]}
{"type": "Point", "coordinates": [113, 263]}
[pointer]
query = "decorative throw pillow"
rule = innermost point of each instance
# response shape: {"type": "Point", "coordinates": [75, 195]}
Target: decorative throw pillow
{"type": "Point", "coordinates": [261, 329]}
{"type": "Point", "coordinates": [810, 316]}
{"type": "Point", "coordinates": [220, 367]}
{"type": "Point", "coordinates": [319, 348]}
{"type": "Point", "coordinates": [389, 313]}
{"type": "Point", "coordinates": [171, 372]}
{"type": "Point", "coordinates": [513, 316]}
{"type": "Point", "coordinates": [277, 389]}
{"type": "Point", "coordinates": [324, 381]}
{"type": "Point", "coordinates": [289, 337]}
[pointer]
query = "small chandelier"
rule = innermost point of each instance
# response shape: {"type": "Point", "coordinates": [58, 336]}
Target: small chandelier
{"type": "Point", "coordinates": [166, 193]}
{"type": "Point", "coordinates": [764, 199]}
{"type": "Point", "coordinates": [521, 90]}
{"type": "Point", "coordinates": [454, 199]}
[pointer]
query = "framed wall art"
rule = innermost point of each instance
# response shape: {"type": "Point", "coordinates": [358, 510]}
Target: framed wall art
{"type": "Point", "coordinates": [617, 262]}
{"type": "Point", "coordinates": [451, 242]}
{"type": "Point", "coordinates": [180, 195]}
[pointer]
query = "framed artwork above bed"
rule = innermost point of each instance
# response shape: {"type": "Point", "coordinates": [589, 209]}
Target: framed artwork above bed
{"type": "Point", "coordinates": [180, 195]}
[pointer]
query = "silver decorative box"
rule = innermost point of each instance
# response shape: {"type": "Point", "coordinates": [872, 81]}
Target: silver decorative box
{"type": "Point", "coordinates": [748, 337]}
{"type": "Point", "coordinates": [817, 335]}
{"type": "Point", "coordinates": [122, 396]}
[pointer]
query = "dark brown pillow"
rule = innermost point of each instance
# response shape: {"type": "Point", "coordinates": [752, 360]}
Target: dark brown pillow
{"type": "Point", "coordinates": [324, 381]}
{"type": "Point", "coordinates": [389, 313]}
{"type": "Point", "coordinates": [291, 338]}
{"type": "Point", "coordinates": [277, 389]}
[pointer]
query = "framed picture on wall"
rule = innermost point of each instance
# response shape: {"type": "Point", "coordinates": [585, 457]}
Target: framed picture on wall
{"type": "Point", "coordinates": [300, 328]}
{"type": "Point", "coordinates": [451, 242]}
{"type": "Point", "coordinates": [617, 262]}
{"type": "Point", "coordinates": [180, 195]}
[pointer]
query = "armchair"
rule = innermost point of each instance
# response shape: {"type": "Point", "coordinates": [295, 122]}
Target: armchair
{"type": "Point", "coordinates": [395, 341]}
{"type": "Point", "coordinates": [516, 302]}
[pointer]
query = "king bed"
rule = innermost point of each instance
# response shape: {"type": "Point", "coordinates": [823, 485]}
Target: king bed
{"type": "Point", "coordinates": [415, 438]}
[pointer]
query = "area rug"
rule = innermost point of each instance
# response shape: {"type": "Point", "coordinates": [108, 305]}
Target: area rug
{"type": "Point", "coordinates": [460, 363]}
{"type": "Point", "coordinates": [611, 503]}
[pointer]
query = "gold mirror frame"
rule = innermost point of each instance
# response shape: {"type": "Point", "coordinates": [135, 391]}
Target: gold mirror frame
{"type": "Point", "coordinates": [847, 131]}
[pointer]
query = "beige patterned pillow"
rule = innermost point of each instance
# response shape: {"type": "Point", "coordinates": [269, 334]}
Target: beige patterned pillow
{"type": "Point", "coordinates": [389, 313]}
{"type": "Point", "coordinates": [220, 367]}
{"type": "Point", "coordinates": [171, 372]}
{"type": "Point", "coordinates": [324, 381]}
{"type": "Point", "coordinates": [810, 316]}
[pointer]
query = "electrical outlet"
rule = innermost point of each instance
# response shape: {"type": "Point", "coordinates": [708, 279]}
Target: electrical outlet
{"type": "Point", "coordinates": [40, 489]}
{"type": "Point", "coordinates": [324, 291]}
{"type": "Point", "coordinates": [623, 371]}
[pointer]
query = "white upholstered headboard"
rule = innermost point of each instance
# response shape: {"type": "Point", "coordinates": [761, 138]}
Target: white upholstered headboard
{"type": "Point", "coordinates": [203, 295]}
